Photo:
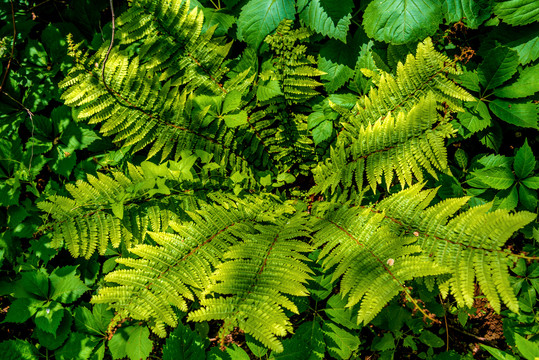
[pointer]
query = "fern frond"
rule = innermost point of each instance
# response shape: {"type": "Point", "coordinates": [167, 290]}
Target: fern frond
{"type": "Point", "coordinates": [119, 209]}
{"type": "Point", "coordinates": [468, 244]}
{"type": "Point", "coordinates": [180, 265]}
{"type": "Point", "coordinates": [372, 261]}
{"type": "Point", "coordinates": [249, 288]}
{"type": "Point", "coordinates": [404, 145]}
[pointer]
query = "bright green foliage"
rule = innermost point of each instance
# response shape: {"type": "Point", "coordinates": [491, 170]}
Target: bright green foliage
{"type": "Point", "coordinates": [468, 244]}
{"type": "Point", "coordinates": [235, 184]}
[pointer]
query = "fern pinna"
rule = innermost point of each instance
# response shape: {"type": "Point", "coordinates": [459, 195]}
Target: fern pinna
{"type": "Point", "coordinates": [207, 231]}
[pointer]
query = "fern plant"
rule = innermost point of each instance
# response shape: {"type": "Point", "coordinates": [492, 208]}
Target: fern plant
{"type": "Point", "coordinates": [222, 217]}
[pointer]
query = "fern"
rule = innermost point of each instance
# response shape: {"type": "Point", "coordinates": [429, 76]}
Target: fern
{"type": "Point", "coordinates": [469, 244]}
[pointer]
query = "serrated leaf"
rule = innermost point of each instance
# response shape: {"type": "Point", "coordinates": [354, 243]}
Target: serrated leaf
{"type": "Point", "coordinates": [524, 161]}
{"type": "Point", "coordinates": [500, 65]}
{"type": "Point", "coordinates": [268, 89]}
{"type": "Point", "coordinates": [523, 115]}
{"type": "Point", "coordinates": [528, 198]}
{"type": "Point", "coordinates": [322, 132]}
{"type": "Point", "coordinates": [49, 316]}
{"type": "Point", "coordinates": [93, 322]}
{"type": "Point", "coordinates": [517, 12]}
{"type": "Point", "coordinates": [337, 311]}
{"type": "Point", "coordinates": [66, 285]}
{"type": "Point", "coordinates": [214, 17]}
{"type": "Point", "coordinates": [472, 12]}
{"type": "Point", "coordinates": [21, 310]}
{"type": "Point", "coordinates": [257, 348]}
{"type": "Point", "coordinates": [336, 60]}
{"type": "Point", "coordinates": [232, 101]}
{"type": "Point", "coordinates": [183, 343]}
{"type": "Point", "coordinates": [507, 199]}
{"type": "Point", "coordinates": [526, 84]}
{"type": "Point", "coordinates": [402, 21]}
{"type": "Point", "coordinates": [340, 342]}
{"type": "Point", "coordinates": [461, 158]}
{"type": "Point", "coordinates": [496, 177]}
{"type": "Point", "coordinates": [18, 350]}
{"type": "Point", "coordinates": [531, 182]}
{"type": "Point", "coordinates": [306, 344]}
{"type": "Point", "coordinates": [476, 118]}
{"type": "Point", "coordinates": [259, 18]}
{"type": "Point", "coordinates": [317, 19]}
{"type": "Point", "coordinates": [51, 341]}
{"type": "Point", "coordinates": [429, 339]}
{"type": "Point", "coordinates": [234, 120]}
{"type": "Point", "coordinates": [78, 347]}
{"type": "Point", "coordinates": [237, 353]}
{"type": "Point", "coordinates": [527, 348]}
{"type": "Point", "coordinates": [33, 284]}
{"type": "Point", "coordinates": [139, 345]}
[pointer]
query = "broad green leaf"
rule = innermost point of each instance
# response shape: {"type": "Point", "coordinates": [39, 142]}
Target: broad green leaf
{"type": "Point", "coordinates": [66, 285]}
{"type": "Point", "coordinates": [234, 120]}
{"type": "Point", "coordinates": [232, 102]}
{"type": "Point", "coordinates": [500, 65]}
{"type": "Point", "coordinates": [476, 118]}
{"type": "Point", "coordinates": [497, 353]}
{"type": "Point", "coordinates": [517, 12]}
{"type": "Point", "coordinates": [402, 21]}
{"type": "Point", "coordinates": [268, 89]}
{"type": "Point", "coordinates": [531, 182]}
{"type": "Point", "coordinates": [526, 84]}
{"type": "Point", "coordinates": [472, 12]}
{"type": "Point", "coordinates": [18, 350]}
{"type": "Point", "coordinates": [259, 18]}
{"type": "Point", "coordinates": [49, 316]}
{"type": "Point", "coordinates": [461, 158]}
{"type": "Point", "coordinates": [214, 17]}
{"type": "Point", "coordinates": [470, 80]}
{"type": "Point", "coordinates": [386, 342]}
{"type": "Point", "coordinates": [117, 344]}
{"type": "Point", "coordinates": [523, 39]}
{"type": "Point", "coordinates": [317, 19]}
{"type": "Point", "coordinates": [336, 60]}
{"type": "Point", "coordinates": [337, 311]}
{"type": "Point", "coordinates": [237, 353]}
{"type": "Point", "coordinates": [51, 341]}
{"type": "Point", "coordinates": [306, 344]}
{"type": "Point", "coordinates": [429, 339]}
{"type": "Point", "coordinates": [524, 161]}
{"type": "Point", "coordinates": [22, 309]}
{"type": "Point", "coordinates": [139, 345]}
{"type": "Point", "coordinates": [33, 284]}
{"type": "Point", "coordinates": [93, 322]}
{"type": "Point", "coordinates": [523, 115]}
{"type": "Point", "coordinates": [183, 343]}
{"type": "Point", "coordinates": [322, 132]}
{"type": "Point", "coordinates": [507, 199]}
{"type": "Point", "coordinates": [529, 349]}
{"type": "Point", "coordinates": [257, 348]}
{"type": "Point", "coordinates": [78, 347]}
{"type": "Point", "coordinates": [528, 198]}
{"type": "Point", "coordinates": [496, 177]}
{"type": "Point", "coordinates": [340, 343]}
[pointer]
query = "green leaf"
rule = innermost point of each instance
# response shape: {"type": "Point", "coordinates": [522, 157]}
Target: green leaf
{"type": "Point", "coordinates": [429, 339]}
{"type": "Point", "coordinates": [214, 17]}
{"type": "Point", "coordinates": [528, 198]}
{"type": "Point", "coordinates": [337, 311]}
{"type": "Point", "coordinates": [237, 353]}
{"type": "Point", "coordinates": [507, 199]}
{"type": "Point", "coordinates": [21, 310]}
{"type": "Point", "coordinates": [340, 343]}
{"type": "Point", "coordinates": [139, 345]}
{"type": "Point", "coordinates": [386, 342]}
{"type": "Point", "coordinates": [49, 316]}
{"type": "Point", "coordinates": [257, 348]}
{"type": "Point", "coordinates": [317, 19]}
{"type": "Point", "coordinates": [306, 344]}
{"type": "Point", "coordinates": [529, 349]}
{"type": "Point", "coordinates": [461, 158]}
{"type": "Point", "coordinates": [499, 178]}
{"type": "Point", "coordinates": [322, 132]}
{"type": "Point", "coordinates": [500, 65]}
{"type": "Point", "coordinates": [517, 12]}
{"type": "Point", "coordinates": [93, 322]}
{"type": "Point", "coordinates": [402, 21]}
{"type": "Point", "coordinates": [234, 120]}
{"type": "Point", "coordinates": [183, 343]}
{"type": "Point", "coordinates": [259, 18]}
{"type": "Point", "coordinates": [523, 115]}
{"type": "Point", "coordinates": [18, 350]}
{"type": "Point", "coordinates": [232, 102]}
{"type": "Point", "coordinates": [66, 285]}
{"type": "Point", "coordinates": [118, 209]}
{"type": "Point", "coordinates": [117, 344]}
{"type": "Point", "coordinates": [33, 284]}
{"type": "Point", "coordinates": [78, 347]}
{"type": "Point", "coordinates": [531, 182]}
{"type": "Point", "coordinates": [526, 84]}
{"type": "Point", "coordinates": [524, 161]}
{"type": "Point", "coordinates": [336, 62]}
{"type": "Point", "coordinates": [472, 12]}
{"type": "Point", "coordinates": [51, 341]}
{"type": "Point", "coordinates": [268, 90]}
{"type": "Point", "coordinates": [498, 354]}
{"type": "Point", "coordinates": [477, 116]}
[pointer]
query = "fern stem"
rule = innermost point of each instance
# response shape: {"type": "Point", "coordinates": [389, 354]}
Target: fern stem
{"type": "Point", "coordinates": [110, 45]}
